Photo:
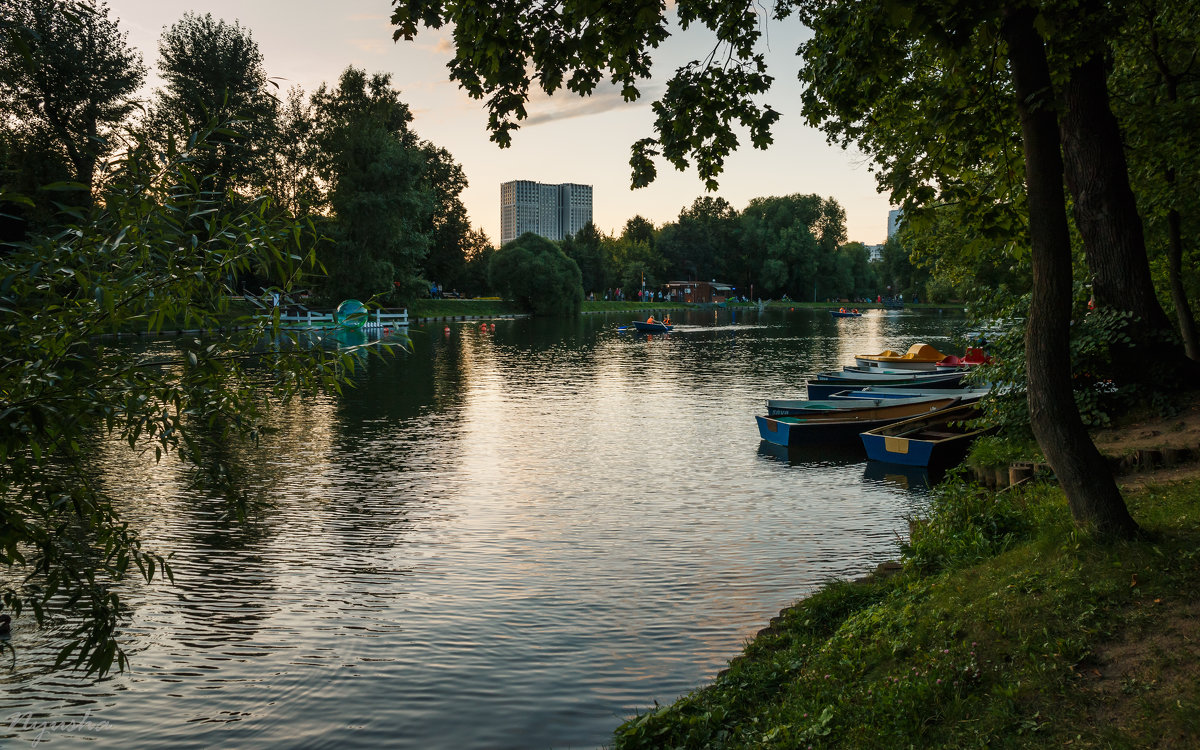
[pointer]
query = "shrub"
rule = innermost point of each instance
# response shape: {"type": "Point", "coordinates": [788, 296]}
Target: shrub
{"type": "Point", "coordinates": [535, 274]}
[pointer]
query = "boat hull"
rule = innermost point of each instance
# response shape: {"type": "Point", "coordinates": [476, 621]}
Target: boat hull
{"type": "Point", "coordinates": [928, 440]}
{"type": "Point", "coordinates": [644, 327]}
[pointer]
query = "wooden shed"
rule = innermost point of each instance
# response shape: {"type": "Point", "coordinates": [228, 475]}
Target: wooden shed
{"type": "Point", "coordinates": [699, 292]}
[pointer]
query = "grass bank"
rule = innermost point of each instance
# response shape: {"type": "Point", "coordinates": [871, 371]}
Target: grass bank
{"type": "Point", "coordinates": [448, 308]}
{"type": "Point", "coordinates": [1005, 627]}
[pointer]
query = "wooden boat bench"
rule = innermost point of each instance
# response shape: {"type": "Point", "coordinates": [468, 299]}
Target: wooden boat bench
{"type": "Point", "coordinates": [937, 434]}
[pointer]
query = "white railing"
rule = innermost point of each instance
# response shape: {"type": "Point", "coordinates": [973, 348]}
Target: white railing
{"type": "Point", "coordinates": [387, 318]}
{"type": "Point", "coordinates": [378, 318]}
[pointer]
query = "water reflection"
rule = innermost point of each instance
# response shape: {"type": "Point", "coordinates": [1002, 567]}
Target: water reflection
{"type": "Point", "coordinates": [915, 478]}
{"type": "Point", "coordinates": [547, 526]}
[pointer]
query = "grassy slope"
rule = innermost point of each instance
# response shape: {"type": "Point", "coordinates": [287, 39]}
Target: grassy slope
{"type": "Point", "coordinates": [1006, 628]}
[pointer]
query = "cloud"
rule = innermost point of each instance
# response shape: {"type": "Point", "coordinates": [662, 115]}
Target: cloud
{"type": "Point", "coordinates": [566, 105]}
{"type": "Point", "coordinates": [444, 46]}
{"type": "Point", "coordinates": [371, 45]}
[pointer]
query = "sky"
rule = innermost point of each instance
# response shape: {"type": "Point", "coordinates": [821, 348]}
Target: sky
{"type": "Point", "coordinates": [567, 138]}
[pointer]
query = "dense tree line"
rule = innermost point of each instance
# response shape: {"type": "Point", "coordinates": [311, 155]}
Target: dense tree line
{"type": "Point", "coordinates": [384, 205]}
{"type": "Point", "coordinates": [785, 245]}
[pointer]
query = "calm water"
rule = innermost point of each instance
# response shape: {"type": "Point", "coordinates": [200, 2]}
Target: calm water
{"type": "Point", "coordinates": [510, 539]}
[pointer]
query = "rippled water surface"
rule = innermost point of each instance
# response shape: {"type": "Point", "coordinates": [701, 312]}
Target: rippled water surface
{"type": "Point", "coordinates": [505, 539]}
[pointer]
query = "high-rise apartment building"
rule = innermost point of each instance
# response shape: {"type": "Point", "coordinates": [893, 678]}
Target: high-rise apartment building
{"type": "Point", "coordinates": [894, 217]}
{"type": "Point", "coordinates": [553, 211]}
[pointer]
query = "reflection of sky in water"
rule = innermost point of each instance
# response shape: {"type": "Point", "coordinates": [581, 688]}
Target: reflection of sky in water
{"type": "Point", "coordinates": [541, 528]}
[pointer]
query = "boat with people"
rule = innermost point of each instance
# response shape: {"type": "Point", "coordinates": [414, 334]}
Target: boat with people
{"type": "Point", "coordinates": [807, 429]}
{"type": "Point", "coordinates": [937, 439]}
{"type": "Point", "coordinates": [650, 325]}
{"type": "Point", "coordinates": [647, 327]}
{"type": "Point", "coordinates": [844, 313]}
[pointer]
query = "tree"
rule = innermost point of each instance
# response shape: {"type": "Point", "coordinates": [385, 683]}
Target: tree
{"type": "Point", "coordinates": [499, 51]}
{"type": "Point", "coordinates": [1091, 492]}
{"type": "Point", "coordinates": [780, 233]}
{"type": "Point", "coordinates": [479, 251]}
{"type": "Point", "coordinates": [376, 172]}
{"type": "Point", "coordinates": [66, 75]}
{"type": "Point", "coordinates": [855, 256]}
{"type": "Point", "coordinates": [586, 249]}
{"type": "Point", "coordinates": [448, 225]}
{"type": "Point", "coordinates": [538, 276]}
{"type": "Point", "coordinates": [214, 73]}
{"type": "Point", "coordinates": [1156, 86]}
{"type": "Point", "coordinates": [635, 263]}
{"type": "Point", "coordinates": [292, 169]}
{"type": "Point", "coordinates": [117, 266]}
{"type": "Point", "coordinates": [639, 229]}
{"type": "Point", "coordinates": [701, 241]}
{"type": "Point", "coordinates": [1105, 209]}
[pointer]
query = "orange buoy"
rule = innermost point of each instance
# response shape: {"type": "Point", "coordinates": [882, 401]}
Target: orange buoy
{"type": "Point", "coordinates": [447, 331]}
{"type": "Point", "coordinates": [493, 326]}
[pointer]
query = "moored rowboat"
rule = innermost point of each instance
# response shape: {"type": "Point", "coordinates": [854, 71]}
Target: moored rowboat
{"type": "Point", "coordinates": [834, 426]}
{"type": "Point", "coordinates": [828, 383]}
{"type": "Point", "coordinates": [941, 438]}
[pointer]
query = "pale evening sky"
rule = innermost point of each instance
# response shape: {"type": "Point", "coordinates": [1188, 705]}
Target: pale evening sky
{"type": "Point", "coordinates": [568, 139]}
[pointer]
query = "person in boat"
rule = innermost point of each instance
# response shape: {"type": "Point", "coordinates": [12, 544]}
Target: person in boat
{"type": "Point", "coordinates": [650, 320]}
{"type": "Point", "coordinates": [841, 309]}
{"type": "Point", "coordinates": [667, 320]}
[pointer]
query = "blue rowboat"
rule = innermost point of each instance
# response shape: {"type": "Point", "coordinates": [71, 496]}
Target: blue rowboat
{"type": "Point", "coordinates": [809, 429]}
{"type": "Point", "coordinates": [644, 327]}
{"type": "Point", "coordinates": [938, 439]}
{"type": "Point", "coordinates": [847, 314]}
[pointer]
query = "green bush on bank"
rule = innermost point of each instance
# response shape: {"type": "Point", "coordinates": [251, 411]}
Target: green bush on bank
{"type": "Point", "coordinates": [980, 641]}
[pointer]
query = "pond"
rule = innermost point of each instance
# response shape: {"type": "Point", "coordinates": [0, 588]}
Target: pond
{"type": "Point", "coordinates": [507, 538]}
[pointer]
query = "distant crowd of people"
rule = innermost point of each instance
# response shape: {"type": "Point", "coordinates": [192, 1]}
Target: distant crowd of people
{"type": "Point", "coordinates": [642, 295]}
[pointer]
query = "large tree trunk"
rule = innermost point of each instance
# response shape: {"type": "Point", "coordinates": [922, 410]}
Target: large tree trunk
{"type": "Point", "coordinates": [1086, 480]}
{"type": "Point", "coordinates": [1107, 217]}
